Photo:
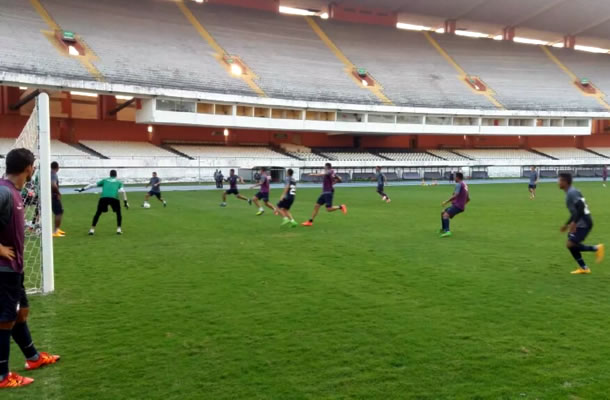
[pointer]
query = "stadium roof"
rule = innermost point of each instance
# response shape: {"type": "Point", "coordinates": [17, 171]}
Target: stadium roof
{"type": "Point", "coordinates": [548, 20]}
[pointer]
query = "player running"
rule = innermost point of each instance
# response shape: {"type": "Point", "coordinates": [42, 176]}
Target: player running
{"type": "Point", "coordinates": [381, 182]}
{"type": "Point", "coordinates": [233, 180]}
{"type": "Point", "coordinates": [533, 183]}
{"type": "Point", "coordinates": [14, 306]}
{"type": "Point", "coordinates": [287, 198]}
{"type": "Point", "coordinates": [604, 175]}
{"type": "Point", "coordinates": [458, 204]}
{"type": "Point", "coordinates": [56, 206]}
{"type": "Point", "coordinates": [579, 225]}
{"type": "Point", "coordinates": [155, 190]}
{"type": "Point", "coordinates": [265, 187]}
{"type": "Point", "coordinates": [111, 187]}
{"type": "Point", "coordinates": [328, 191]}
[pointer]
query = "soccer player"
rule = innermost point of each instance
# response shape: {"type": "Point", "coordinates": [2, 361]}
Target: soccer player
{"type": "Point", "coordinates": [56, 206]}
{"type": "Point", "coordinates": [14, 306]}
{"type": "Point", "coordinates": [328, 191]}
{"type": "Point", "coordinates": [233, 180]}
{"type": "Point", "coordinates": [155, 190]}
{"type": "Point", "coordinates": [604, 175]}
{"type": "Point", "coordinates": [287, 199]}
{"type": "Point", "coordinates": [458, 201]}
{"type": "Point", "coordinates": [533, 183]}
{"type": "Point", "coordinates": [579, 225]}
{"type": "Point", "coordinates": [264, 183]}
{"type": "Point", "coordinates": [381, 181]}
{"type": "Point", "coordinates": [111, 187]}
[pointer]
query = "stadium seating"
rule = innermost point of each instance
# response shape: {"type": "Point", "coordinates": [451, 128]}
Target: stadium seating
{"type": "Point", "coordinates": [500, 154]}
{"type": "Point", "coordinates": [568, 153]}
{"type": "Point", "coordinates": [411, 157]}
{"type": "Point", "coordinates": [548, 173]}
{"type": "Point", "coordinates": [410, 70]}
{"type": "Point", "coordinates": [351, 155]}
{"type": "Point", "coordinates": [58, 149]}
{"type": "Point", "coordinates": [391, 176]}
{"type": "Point", "coordinates": [289, 58]}
{"type": "Point", "coordinates": [411, 176]}
{"type": "Point", "coordinates": [151, 44]}
{"type": "Point", "coordinates": [594, 67]}
{"type": "Point", "coordinates": [604, 151]}
{"type": "Point", "coordinates": [432, 176]}
{"type": "Point", "coordinates": [479, 175]}
{"type": "Point", "coordinates": [308, 156]}
{"type": "Point", "coordinates": [447, 155]}
{"type": "Point", "coordinates": [114, 149]}
{"type": "Point", "coordinates": [363, 176]}
{"type": "Point", "coordinates": [586, 173]}
{"type": "Point", "coordinates": [522, 76]}
{"type": "Point", "coordinates": [229, 152]}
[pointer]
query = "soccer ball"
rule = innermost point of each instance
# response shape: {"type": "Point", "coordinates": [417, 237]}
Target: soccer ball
{"type": "Point", "coordinates": [146, 205]}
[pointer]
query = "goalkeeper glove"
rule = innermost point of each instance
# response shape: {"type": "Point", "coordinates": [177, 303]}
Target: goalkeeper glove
{"type": "Point", "coordinates": [126, 204]}
{"type": "Point", "coordinates": [79, 190]}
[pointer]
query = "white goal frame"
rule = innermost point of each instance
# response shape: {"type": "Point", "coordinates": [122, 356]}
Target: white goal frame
{"type": "Point", "coordinates": [46, 214]}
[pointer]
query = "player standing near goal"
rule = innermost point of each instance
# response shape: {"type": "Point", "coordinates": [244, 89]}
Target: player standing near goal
{"type": "Point", "coordinates": [458, 201]}
{"type": "Point", "coordinates": [111, 187]}
{"type": "Point", "coordinates": [265, 187]}
{"type": "Point", "coordinates": [287, 199]}
{"type": "Point", "coordinates": [233, 180]}
{"type": "Point", "coordinates": [14, 306]}
{"type": "Point", "coordinates": [56, 206]}
{"type": "Point", "coordinates": [155, 190]}
{"type": "Point", "coordinates": [381, 182]}
{"type": "Point", "coordinates": [604, 175]}
{"type": "Point", "coordinates": [533, 183]}
{"type": "Point", "coordinates": [579, 225]}
{"type": "Point", "coordinates": [328, 192]}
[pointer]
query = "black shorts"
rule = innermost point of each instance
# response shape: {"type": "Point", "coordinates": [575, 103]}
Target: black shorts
{"type": "Point", "coordinates": [580, 235]}
{"type": "Point", "coordinates": [453, 211]}
{"type": "Point", "coordinates": [12, 296]}
{"type": "Point", "coordinates": [530, 186]}
{"type": "Point", "coordinates": [155, 194]}
{"type": "Point", "coordinates": [105, 202]}
{"type": "Point", "coordinates": [380, 188]}
{"type": "Point", "coordinates": [262, 196]}
{"type": "Point", "coordinates": [232, 191]}
{"type": "Point", "coordinates": [326, 198]}
{"type": "Point", "coordinates": [286, 203]}
{"type": "Point", "coordinates": [56, 206]}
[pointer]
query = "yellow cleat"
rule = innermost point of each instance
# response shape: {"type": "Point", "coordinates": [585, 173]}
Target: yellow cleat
{"type": "Point", "coordinates": [580, 271]}
{"type": "Point", "coordinates": [60, 231]}
{"type": "Point", "coordinates": [600, 253]}
{"type": "Point", "coordinates": [58, 234]}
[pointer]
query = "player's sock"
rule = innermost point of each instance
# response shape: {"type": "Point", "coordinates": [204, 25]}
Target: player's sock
{"type": "Point", "coordinates": [445, 224]}
{"type": "Point", "coordinates": [261, 209]}
{"type": "Point", "coordinates": [23, 338]}
{"type": "Point", "coordinates": [578, 257]}
{"type": "Point", "coordinates": [584, 247]}
{"type": "Point", "coordinates": [5, 348]}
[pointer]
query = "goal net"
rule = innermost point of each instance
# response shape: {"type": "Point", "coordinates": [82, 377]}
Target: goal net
{"type": "Point", "coordinates": [38, 251]}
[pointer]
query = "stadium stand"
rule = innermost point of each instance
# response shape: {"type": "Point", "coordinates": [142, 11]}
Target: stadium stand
{"type": "Point", "coordinates": [350, 155]}
{"type": "Point", "coordinates": [410, 70]}
{"type": "Point", "coordinates": [604, 151]}
{"type": "Point", "coordinates": [546, 173]}
{"type": "Point", "coordinates": [410, 156]}
{"type": "Point", "coordinates": [479, 175]}
{"type": "Point", "coordinates": [290, 60]}
{"type": "Point", "coordinates": [58, 149]}
{"type": "Point", "coordinates": [363, 176]}
{"type": "Point", "coordinates": [151, 44]}
{"type": "Point", "coordinates": [522, 76]}
{"type": "Point", "coordinates": [500, 154]}
{"type": "Point", "coordinates": [432, 176]}
{"type": "Point", "coordinates": [567, 153]}
{"type": "Point", "coordinates": [447, 155]}
{"type": "Point", "coordinates": [229, 152]}
{"type": "Point", "coordinates": [590, 66]}
{"type": "Point", "coordinates": [411, 176]}
{"type": "Point", "coordinates": [112, 149]}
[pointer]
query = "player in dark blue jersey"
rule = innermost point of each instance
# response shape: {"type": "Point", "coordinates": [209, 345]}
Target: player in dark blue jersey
{"type": "Point", "coordinates": [233, 180]}
{"type": "Point", "coordinates": [287, 199]}
{"type": "Point", "coordinates": [579, 225]}
{"type": "Point", "coordinates": [381, 182]}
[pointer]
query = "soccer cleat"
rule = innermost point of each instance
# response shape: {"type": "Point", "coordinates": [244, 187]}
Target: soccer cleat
{"type": "Point", "coordinates": [307, 223]}
{"type": "Point", "coordinates": [119, 231]}
{"type": "Point", "coordinates": [58, 234]}
{"type": "Point", "coordinates": [446, 234]}
{"type": "Point", "coordinates": [600, 253]}
{"type": "Point", "coordinates": [581, 271]}
{"type": "Point", "coordinates": [91, 232]}
{"type": "Point", "coordinates": [13, 380]}
{"type": "Point", "coordinates": [43, 360]}
{"type": "Point", "coordinates": [294, 224]}
{"type": "Point", "coordinates": [260, 212]}
{"type": "Point", "coordinates": [223, 204]}
{"type": "Point", "coordinates": [343, 208]}
{"type": "Point", "coordinates": [249, 202]}
{"type": "Point", "coordinates": [388, 200]}
{"type": "Point", "coordinates": [164, 203]}
{"type": "Point", "coordinates": [285, 222]}
{"type": "Point", "coordinates": [60, 231]}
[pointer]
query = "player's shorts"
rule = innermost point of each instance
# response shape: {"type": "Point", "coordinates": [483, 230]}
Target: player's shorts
{"type": "Point", "coordinates": [262, 196]}
{"type": "Point", "coordinates": [105, 202]}
{"type": "Point", "coordinates": [12, 296]}
{"type": "Point", "coordinates": [605, 178]}
{"type": "Point", "coordinates": [155, 194]}
{"type": "Point", "coordinates": [580, 235]}
{"type": "Point", "coordinates": [56, 206]}
{"type": "Point", "coordinates": [380, 188]}
{"type": "Point", "coordinates": [286, 203]}
{"type": "Point", "coordinates": [326, 198]}
{"type": "Point", "coordinates": [530, 186]}
{"type": "Point", "coordinates": [453, 211]}
{"type": "Point", "coordinates": [232, 191]}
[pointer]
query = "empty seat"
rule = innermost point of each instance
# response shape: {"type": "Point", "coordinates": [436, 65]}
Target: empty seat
{"type": "Point", "coordinates": [569, 153]}
{"type": "Point", "coordinates": [363, 176]}
{"type": "Point", "coordinates": [410, 156]}
{"type": "Point", "coordinates": [112, 149]}
{"type": "Point", "coordinates": [479, 175]}
{"type": "Point", "coordinates": [432, 176]}
{"type": "Point", "coordinates": [411, 176]}
{"type": "Point", "coordinates": [548, 173]}
{"type": "Point", "coordinates": [500, 154]}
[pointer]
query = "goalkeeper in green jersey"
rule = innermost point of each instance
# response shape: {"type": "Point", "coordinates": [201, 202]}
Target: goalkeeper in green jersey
{"type": "Point", "coordinates": [111, 187]}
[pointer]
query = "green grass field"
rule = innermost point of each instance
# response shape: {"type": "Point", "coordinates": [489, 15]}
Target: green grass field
{"type": "Point", "coordinates": [200, 302]}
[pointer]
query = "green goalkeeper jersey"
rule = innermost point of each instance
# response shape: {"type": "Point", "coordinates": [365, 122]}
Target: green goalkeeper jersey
{"type": "Point", "coordinates": [110, 187]}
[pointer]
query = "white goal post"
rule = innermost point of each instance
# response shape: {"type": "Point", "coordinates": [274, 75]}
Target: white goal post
{"type": "Point", "coordinates": [38, 247]}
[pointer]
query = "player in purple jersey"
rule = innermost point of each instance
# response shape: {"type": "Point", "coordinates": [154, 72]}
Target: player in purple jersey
{"type": "Point", "coordinates": [604, 175]}
{"type": "Point", "coordinates": [263, 194]}
{"type": "Point", "coordinates": [233, 180]}
{"type": "Point", "coordinates": [14, 305]}
{"type": "Point", "coordinates": [329, 178]}
{"type": "Point", "coordinates": [458, 201]}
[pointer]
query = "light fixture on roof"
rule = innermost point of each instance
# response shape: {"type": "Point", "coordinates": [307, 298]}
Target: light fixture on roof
{"type": "Point", "coordinates": [23, 88]}
{"type": "Point", "coordinates": [236, 69]}
{"type": "Point", "coordinates": [84, 94]}
{"type": "Point", "coordinates": [198, 1]}
{"type": "Point", "coordinates": [73, 51]}
{"type": "Point", "coordinates": [559, 45]}
{"type": "Point", "coordinates": [590, 49]}
{"type": "Point", "coordinates": [412, 27]}
{"type": "Point", "coordinates": [226, 132]}
{"type": "Point", "coordinates": [122, 97]}
{"type": "Point", "coordinates": [324, 15]}
{"type": "Point", "coordinates": [364, 82]}
{"type": "Point", "coordinates": [440, 30]}
{"type": "Point", "coordinates": [498, 37]}
{"type": "Point", "coordinates": [297, 11]}
{"type": "Point", "coordinates": [523, 40]}
{"type": "Point", "coordinates": [150, 129]}
{"type": "Point", "coordinates": [461, 32]}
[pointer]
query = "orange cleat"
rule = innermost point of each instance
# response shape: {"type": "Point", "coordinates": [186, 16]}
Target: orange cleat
{"type": "Point", "coordinates": [344, 208]}
{"type": "Point", "coordinates": [13, 380]}
{"type": "Point", "coordinates": [307, 223]}
{"type": "Point", "coordinates": [43, 359]}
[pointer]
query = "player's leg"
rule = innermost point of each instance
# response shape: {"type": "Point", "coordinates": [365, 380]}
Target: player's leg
{"type": "Point", "coordinates": [102, 207]}
{"type": "Point", "coordinates": [271, 206]}
{"type": "Point", "coordinates": [314, 214]}
{"type": "Point", "coordinates": [574, 249]}
{"type": "Point", "coordinates": [58, 212]}
{"type": "Point", "coordinates": [116, 207]}
{"type": "Point", "coordinates": [446, 217]}
{"type": "Point", "coordinates": [224, 199]}
{"type": "Point", "coordinates": [239, 196]}
{"type": "Point", "coordinates": [22, 336]}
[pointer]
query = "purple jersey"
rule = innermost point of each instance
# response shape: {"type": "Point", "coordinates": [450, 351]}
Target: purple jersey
{"type": "Point", "coordinates": [233, 179]}
{"type": "Point", "coordinates": [264, 183]}
{"type": "Point", "coordinates": [12, 224]}
{"type": "Point", "coordinates": [605, 172]}
{"type": "Point", "coordinates": [461, 195]}
{"type": "Point", "coordinates": [329, 181]}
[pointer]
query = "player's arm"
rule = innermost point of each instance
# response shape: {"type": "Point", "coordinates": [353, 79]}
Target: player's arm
{"type": "Point", "coordinates": [575, 216]}
{"type": "Point", "coordinates": [285, 191]}
{"type": "Point", "coordinates": [241, 180]}
{"type": "Point", "coordinates": [453, 197]}
{"type": "Point", "coordinates": [91, 186]}
{"type": "Point", "coordinates": [124, 194]}
{"type": "Point", "coordinates": [6, 214]}
{"type": "Point", "coordinates": [55, 189]}
{"type": "Point", "coordinates": [337, 179]}
{"type": "Point", "coordinates": [257, 184]}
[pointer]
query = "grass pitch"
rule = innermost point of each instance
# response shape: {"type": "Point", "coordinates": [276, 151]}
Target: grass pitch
{"type": "Point", "coordinates": [201, 302]}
